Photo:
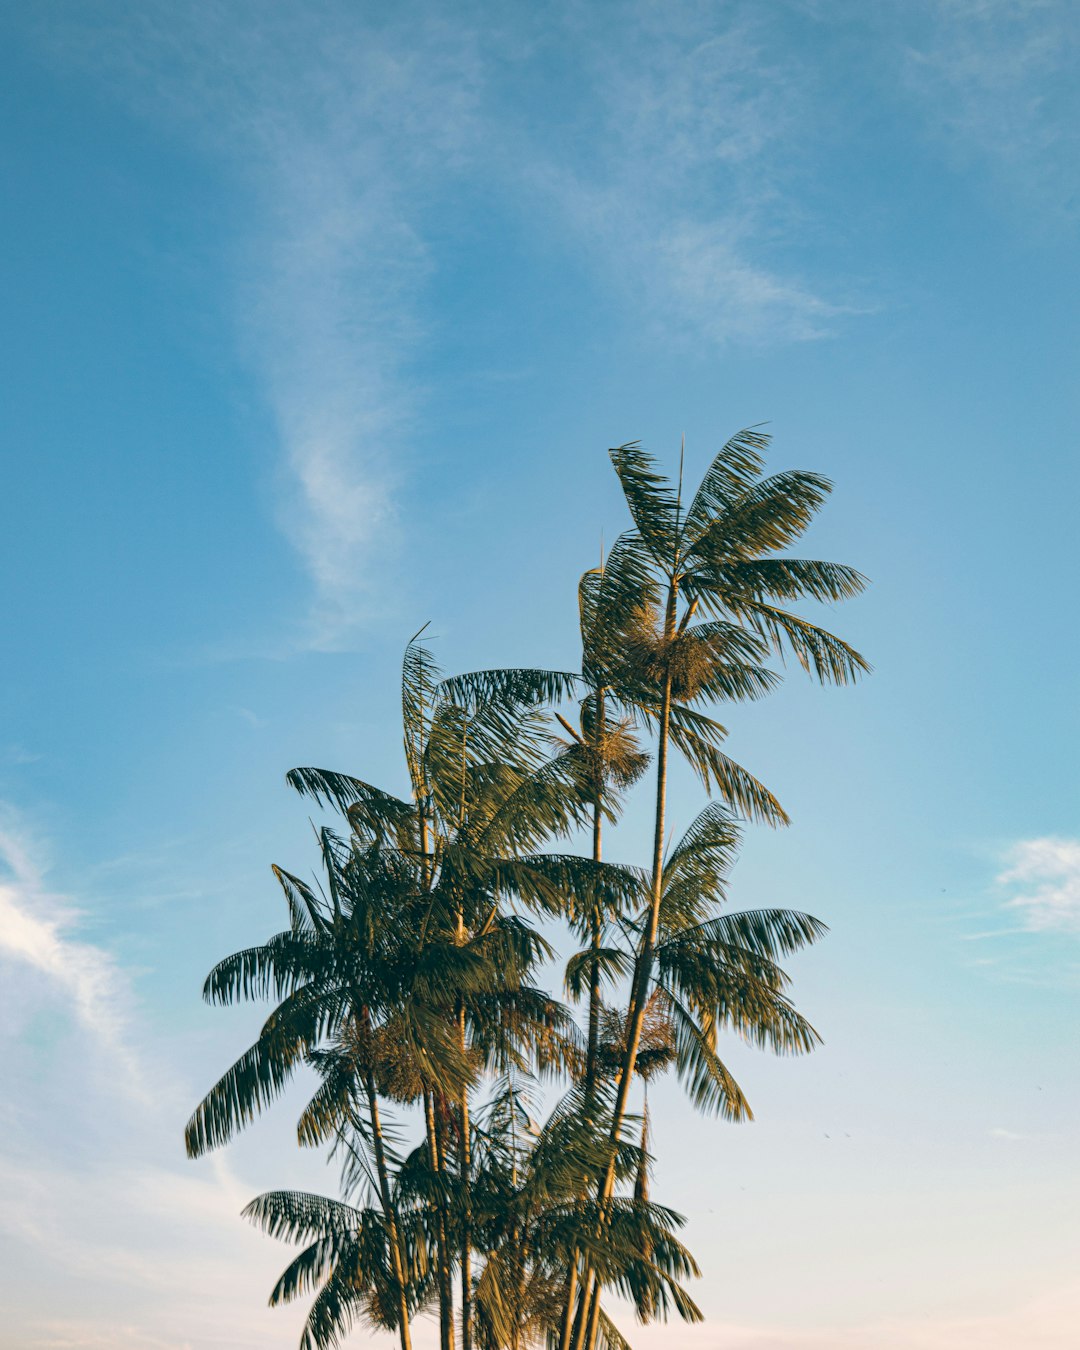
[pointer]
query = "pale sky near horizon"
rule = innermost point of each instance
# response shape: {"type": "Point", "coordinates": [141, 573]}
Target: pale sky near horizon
{"type": "Point", "coordinates": [317, 323]}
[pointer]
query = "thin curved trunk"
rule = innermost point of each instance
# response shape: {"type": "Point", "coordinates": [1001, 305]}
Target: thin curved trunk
{"type": "Point", "coordinates": [570, 1325]}
{"type": "Point", "coordinates": [594, 972]}
{"type": "Point", "coordinates": [466, 1216]}
{"type": "Point", "coordinates": [594, 1318]}
{"type": "Point", "coordinates": [446, 1287]}
{"type": "Point", "coordinates": [396, 1254]}
{"type": "Point", "coordinates": [585, 1337]}
{"type": "Point", "coordinates": [567, 1326]}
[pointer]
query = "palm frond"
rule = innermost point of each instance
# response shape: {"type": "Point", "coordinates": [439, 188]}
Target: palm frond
{"type": "Point", "coordinates": [727, 478]}
{"type": "Point", "coordinates": [299, 1216]}
{"type": "Point", "coordinates": [794, 578]}
{"type": "Point", "coordinates": [653, 505]}
{"type": "Point", "coordinates": [828, 658]}
{"type": "Point", "coordinates": [698, 739]}
{"type": "Point", "coordinates": [769, 516]}
{"type": "Point", "coordinates": [419, 684]}
{"type": "Point", "coordinates": [711, 1086]}
{"type": "Point", "coordinates": [261, 1073]}
{"type": "Point", "coordinates": [278, 967]}
{"type": "Point", "coordinates": [510, 688]}
{"type": "Point", "coordinates": [365, 806]}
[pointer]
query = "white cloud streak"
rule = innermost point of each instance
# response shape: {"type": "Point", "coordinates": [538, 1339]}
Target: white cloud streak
{"type": "Point", "coordinates": [1044, 878]}
{"type": "Point", "coordinates": [142, 1249]}
{"type": "Point", "coordinates": [334, 130]}
{"type": "Point", "coordinates": [996, 80]}
{"type": "Point", "coordinates": [673, 147]}
{"type": "Point", "coordinates": [677, 192]}
{"type": "Point", "coordinates": [38, 933]}
{"type": "Point", "coordinates": [344, 133]}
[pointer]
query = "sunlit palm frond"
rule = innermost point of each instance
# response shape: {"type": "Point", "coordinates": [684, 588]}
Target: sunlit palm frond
{"type": "Point", "coordinates": [727, 479]}
{"type": "Point", "coordinates": [653, 505]}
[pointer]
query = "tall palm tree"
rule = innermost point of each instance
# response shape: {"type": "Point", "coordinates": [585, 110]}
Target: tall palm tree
{"type": "Point", "coordinates": [530, 1215]}
{"type": "Point", "coordinates": [411, 919]}
{"type": "Point", "coordinates": [355, 985]}
{"type": "Point", "coordinates": [719, 555]}
{"type": "Point", "coordinates": [481, 798]}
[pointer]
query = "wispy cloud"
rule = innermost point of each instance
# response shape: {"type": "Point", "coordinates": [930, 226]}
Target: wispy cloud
{"type": "Point", "coordinates": [334, 129]}
{"type": "Point", "coordinates": [38, 932]}
{"type": "Point", "coordinates": [1043, 878]}
{"type": "Point", "coordinates": [996, 80]}
{"type": "Point", "coordinates": [677, 182]}
{"type": "Point", "coordinates": [140, 1256]}
{"type": "Point", "coordinates": [91, 1162]}
{"type": "Point", "coordinates": [346, 134]}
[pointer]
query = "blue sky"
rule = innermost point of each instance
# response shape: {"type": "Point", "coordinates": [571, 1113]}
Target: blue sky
{"type": "Point", "coordinates": [317, 323]}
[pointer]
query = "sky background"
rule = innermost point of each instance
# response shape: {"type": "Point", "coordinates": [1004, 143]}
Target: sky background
{"type": "Point", "coordinates": [317, 320]}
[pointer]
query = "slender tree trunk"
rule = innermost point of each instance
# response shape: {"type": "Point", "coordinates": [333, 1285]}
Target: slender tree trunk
{"type": "Point", "coordinates": [396, 1254]}
{"type": "Point", "coordinates": [570, 1324]}
{"type": "Point", "coordinates": [594, 972]}
{"type": "Point", "coordinates": [594, 1318]}
{"type": "Point", "coordinates": [442, 1255]}
{"type": "Point", "coordinates": [568, 1307]}
{"type": "Point", "coordinates": [643, 966]}
{"type": "Point", "coordinates": [466, 1203]}
{"type": "Point", "coordinates": [589, 1291]}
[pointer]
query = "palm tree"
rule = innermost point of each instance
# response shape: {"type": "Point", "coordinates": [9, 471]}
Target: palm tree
{"type": "Point", "coordinates": [347, 1261]}
{"type": "Point", "coordinates": [355, 983]}
{"type": "Point", "coordinates": [717, 556]}
{"type": "Point", "coordinates": [481, 798]}
{"type": "Point", "coordinates": [530, 1217]}
{"type": "Point", "coordinates": [392, 938]}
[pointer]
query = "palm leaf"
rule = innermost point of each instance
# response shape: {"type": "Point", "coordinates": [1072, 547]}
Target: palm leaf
{"type": "Point", "coordinates": [793, 578]}
{"type": "Point", "coordinates": [362, 803]}
{"type": "Point", "coordinates": [697, 737]}
{"type": "Point", "coordinates": [820, 653]}
{"type": "Point", "coordinates": [711, 1086]}
{"type": "Point", "coordinates": [653, 505]}
{"type": "Point", "coordinates": [419, 682]}
{"type": "Point", "coordinates": [727, 479]}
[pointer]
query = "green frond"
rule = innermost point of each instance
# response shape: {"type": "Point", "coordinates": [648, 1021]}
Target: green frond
{"type": "Point", "coordinates": [611, 964]}
{"type": "Point", "coordinates": [341, 1302]}
{"type": "Point", "coordinates": [609, 1337]}
{"type": "Point", "coordinates": [652, 504]}
{"type": "Point", "coordinates": [419, 685]}
{"type": "Point", "coordinates": [261, 1073]}
{"type": "Point", "coordinates": [770, 933]}
{"type": "Point", "coordinates": [820, 653]}
{"type": "Point", "coordinates": [280, 966]}
{"type": "Point", "coordinates": [299, 1216]}
{"type": "Point", "coordinates": [305, 907]}
{"type": "Point", "coordinates": [711, 1086]}
{"type": "Point", "coordinates": [770, 515]}
{"type": "Point", "coordinates": [698, 738]}
{"type": "Point", "coordinates": [578, 888]}
{"type": "Point", "coordinates": [306, 1272]}
{"type": "Point", "coordinates": [511, 688]}
{"type": "Point", "coordinates": [727, 479]}
{"type": "Point", "coordinates": [365, 806]}
{"type": "Point", "coordinates": [333, 1100]}
{"type": "Point", "coordinates": [793, 579]}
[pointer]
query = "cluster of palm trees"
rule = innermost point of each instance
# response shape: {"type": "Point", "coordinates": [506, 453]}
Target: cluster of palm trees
{"type": "Point", "coordinates": [493, 1170]}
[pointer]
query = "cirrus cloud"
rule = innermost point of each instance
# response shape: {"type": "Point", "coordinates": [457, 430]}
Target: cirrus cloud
{"type": "Point", "coordinates": [1044, 878]}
